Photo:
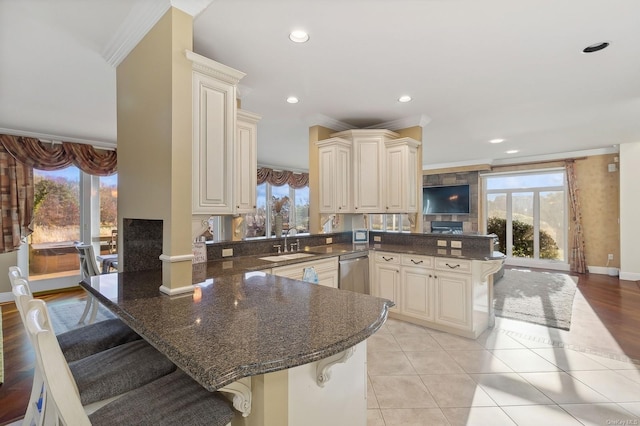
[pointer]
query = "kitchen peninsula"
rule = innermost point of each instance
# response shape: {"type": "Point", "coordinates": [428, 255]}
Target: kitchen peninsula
{"type": "Point", "coordinates": [303, 345]}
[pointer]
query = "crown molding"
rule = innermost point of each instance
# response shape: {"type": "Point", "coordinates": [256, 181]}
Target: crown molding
{"type": "Point", "coordinates": [529, 159]}
{"type": "Point", "coordinates": [50, 138]}
{"type": "Point", "coordinates": [142, 17]}
{"type": "Point", "coordinates": [403, 123]}
{"type": "Point", "coordinates": [192, 7]}
{"type": "Point", "coordinates": [328, 122]}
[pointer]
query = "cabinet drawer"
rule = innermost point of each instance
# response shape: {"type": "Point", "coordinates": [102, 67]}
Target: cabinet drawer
{"type": "Point", "coordinates": [388, 258]}
{"type": "Point", "coordinates": [417, 260]}
{"type": "Point", "coordinates": [453, 265]}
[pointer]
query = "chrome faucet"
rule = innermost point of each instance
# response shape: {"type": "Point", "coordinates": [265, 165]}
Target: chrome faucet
{"type": "Point", "coordinates": [286, 234]}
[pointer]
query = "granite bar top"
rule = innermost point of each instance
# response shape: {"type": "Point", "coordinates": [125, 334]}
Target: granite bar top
{"type": "Point", "coordinates": [240, 325]}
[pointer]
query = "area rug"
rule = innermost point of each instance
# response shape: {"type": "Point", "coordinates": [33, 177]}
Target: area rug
{"type": "Point", "coordinates": [543, 298]}
{"type": "Point", "coordinates": [65, 316]}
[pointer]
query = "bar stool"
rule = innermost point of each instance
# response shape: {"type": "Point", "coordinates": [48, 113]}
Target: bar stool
{"type": "Point", "coordinates": [88, 268]}
{"type": "Point", "coordinates": [172, 399]}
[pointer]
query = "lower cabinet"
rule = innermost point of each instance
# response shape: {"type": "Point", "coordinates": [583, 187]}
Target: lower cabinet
{"type": "Point", "coordinates": [453, 299]}
{"type": "Point", "coordinates": [441, 293]}
{"type": "Point", "coordinates": [417, 292]}
{"type": "Point", "coordinates": [327, 270]}
{"type": "Point", "coordinates": [386, 278]}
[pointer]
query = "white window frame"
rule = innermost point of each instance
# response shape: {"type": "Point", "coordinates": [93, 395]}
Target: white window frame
{"type": "Point", "coordinates": [536, 261]}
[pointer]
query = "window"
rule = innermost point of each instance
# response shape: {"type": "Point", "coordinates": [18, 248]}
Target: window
{"type": "Point", "coordinates": [66, 202]}
{"type": "Point", "coordinates": [528, 213]}
{"type": "Point", "coordinates": [56, 223]}
{"type": "Point", "coordinates": [295, 212]}
{"type": "Point", "coordinates": [389, 222]}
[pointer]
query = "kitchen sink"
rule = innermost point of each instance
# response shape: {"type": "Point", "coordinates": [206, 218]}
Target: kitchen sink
{"type": "Point", "coordinates": [281, 257]}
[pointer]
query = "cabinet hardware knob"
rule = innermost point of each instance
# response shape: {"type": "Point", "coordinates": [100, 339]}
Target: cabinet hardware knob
{"type": "Point", "coordinates": [387, 258]}
{"type": "Point", "coordinates": [452, 266]}
{"type": "Point", "coordinates": [416, 263]}
{"type": "Point", "coordinates": [430, 276]}
{"type": "Point", "coordinates": [435, 276]}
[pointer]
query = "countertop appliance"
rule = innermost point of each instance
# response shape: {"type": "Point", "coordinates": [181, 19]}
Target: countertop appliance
{"type": "Point", "coordinates": [354, 272]}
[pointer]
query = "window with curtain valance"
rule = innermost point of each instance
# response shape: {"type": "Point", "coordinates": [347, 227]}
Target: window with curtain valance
{"type": "Point", "coordinates": [19, 155]}
{"type": "Point", "coordinates": [282, 177]}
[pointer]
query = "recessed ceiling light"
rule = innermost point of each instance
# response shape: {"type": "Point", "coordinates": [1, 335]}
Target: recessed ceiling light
{"type": "Point", "coordinates": [299, 36]}
{"type": "Point", "coordinates": [404, 98]}
{"type": "Point", "coordinates": [496, 141]}
{"type": "Point", "coordinates": [596, 47]}
{"type": "Point", "coordinates": [511, 151]}
{"type": "Point", "coordinates": [293, 100]}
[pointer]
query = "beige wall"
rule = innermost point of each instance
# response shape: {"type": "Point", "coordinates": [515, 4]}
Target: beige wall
{"type": "Point", "coordinates": [599, 198]}
{"type": "Point", "coordinates": [6, 260]}
{"type": "Point", "coordinates": [154, 137]}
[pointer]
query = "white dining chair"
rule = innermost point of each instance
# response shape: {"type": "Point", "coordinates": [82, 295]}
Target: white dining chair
{"type": "Point", "coordinates": [88, 268]}
{"type": "Point", "coordinates": [170, 400]}
{"type": "Point", "coordinates": [100, 376]}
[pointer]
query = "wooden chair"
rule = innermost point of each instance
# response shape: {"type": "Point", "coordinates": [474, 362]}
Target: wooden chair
{"type": "Point", "coordinates": [88, 268]}
{"type": "Point", "coordinates": [172, 399]}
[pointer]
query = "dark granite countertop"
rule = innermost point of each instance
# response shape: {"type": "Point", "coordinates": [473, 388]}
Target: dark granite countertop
{"type": "Point", "coordinates": [238, 325]}
{"type": "Point", "coordinates": [241, 264]}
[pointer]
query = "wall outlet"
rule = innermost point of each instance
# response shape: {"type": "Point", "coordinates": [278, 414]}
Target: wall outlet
{"type": "Point", "coordinates": [329, 240]}
{"type": "Point", "coordinates": [610, 256]}
{"type": "Point", "coordinates": [227, 252]}
{"type": "Point", "coordinates": [377, 239]}
{"type": "Point", "coordinates": [442, 243]}
{"type": "Point", "coordinates": [456, 244]}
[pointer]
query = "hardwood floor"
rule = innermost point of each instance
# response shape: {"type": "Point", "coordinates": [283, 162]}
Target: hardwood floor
{"type": "Point", "coordinates": [606, 320]}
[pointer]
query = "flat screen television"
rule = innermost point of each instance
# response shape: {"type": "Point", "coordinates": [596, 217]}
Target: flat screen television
{"type": "Point", "coordinates": [450, 199]}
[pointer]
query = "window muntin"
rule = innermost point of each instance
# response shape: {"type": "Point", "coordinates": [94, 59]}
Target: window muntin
{"type": "Point", "coordinates": [528, 213]}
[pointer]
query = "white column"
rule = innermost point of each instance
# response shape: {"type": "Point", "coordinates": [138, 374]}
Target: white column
{"type": "Point", "coordinates": [629, 208]}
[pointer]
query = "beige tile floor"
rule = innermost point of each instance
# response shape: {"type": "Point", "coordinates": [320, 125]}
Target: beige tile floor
{"type": "Point", "coordinates": [419, 376]}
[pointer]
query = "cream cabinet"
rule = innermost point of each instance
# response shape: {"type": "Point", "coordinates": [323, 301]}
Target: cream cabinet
{"type": "Point", "coordinates": [401, 175]}
{"type": "Point", "coordinates": [245, 161]}
{"type": "Point", "coordinates": [214, 127]}
{"type": "Point", "coordinates": [386, 277]}
{"type": "Point", "coordinates": [417, 286]}
{"type": "Point", "coordinates": [327, 270]}
{"type": "Point", "coordinates": [447, 294]}
{"type": "Point", "coordinates": [382, 175]}
{"type": "Point", "coordinates": [334, 157]}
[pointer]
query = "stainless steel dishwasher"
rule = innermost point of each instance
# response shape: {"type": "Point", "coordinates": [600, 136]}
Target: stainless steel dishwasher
{"type": "Point", "coordinates": [354, 272]}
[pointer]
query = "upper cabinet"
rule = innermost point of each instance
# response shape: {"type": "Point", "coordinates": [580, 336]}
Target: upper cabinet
{"type": "Point", "coordinates": [214, 133]}
{"type": "Point", "coordinates": [401, 160]}
{"type": "Point", "coordinates": [246, 162]}
{"type": "Point", "coordinates": [334, 157]}
{"type": "Point", "coordinates": [384, 171]}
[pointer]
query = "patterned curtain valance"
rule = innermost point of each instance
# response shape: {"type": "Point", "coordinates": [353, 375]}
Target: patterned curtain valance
{"type": "Point", "coordinates": [282, 177]}
{"type": "Point", "coordinates": [33, 153]}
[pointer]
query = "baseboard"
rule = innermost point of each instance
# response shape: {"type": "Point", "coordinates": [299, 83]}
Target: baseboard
{"type": "Point", "coordinates": [629, 276]}
{"type": "Point", "coordinates": [598, 270]}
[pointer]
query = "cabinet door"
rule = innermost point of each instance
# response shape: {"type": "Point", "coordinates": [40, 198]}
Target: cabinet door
{"type": "Point", "coordinates": [368, 175]}
{"type": "Point", "coordinates": [214, 113]}
{"type": "Point", "coordinates": [387, 283]}
{"type": "Point", "coordinates": [401, 168]}
{"type": "Point", "coordinates": [246, 163]}
{"type": "Point", "coordinates": [453, 292]}
{"type": "Point", "coordinates": [327, 179]}
{"type": "Point", "coordinates": [343, 179]}
{"type": "Point", "coordinates": [417, 292]}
